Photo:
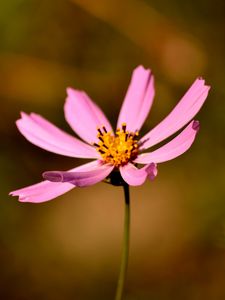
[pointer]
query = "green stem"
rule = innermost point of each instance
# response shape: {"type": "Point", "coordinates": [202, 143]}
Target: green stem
{"type": "Point", "coordinates": [125, 249]}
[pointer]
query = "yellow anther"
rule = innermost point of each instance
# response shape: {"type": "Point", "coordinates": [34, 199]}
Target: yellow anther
{"type": "Point", "coordinates": [117, 150]}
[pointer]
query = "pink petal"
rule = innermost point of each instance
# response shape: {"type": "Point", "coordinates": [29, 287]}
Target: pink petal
{"type": "Point", "coordinates": [46, 190]}
{"type": "Point", "coordinates": [174, 148]}
{"type": "Point", "coordinates": [135, 176]}
{"type": "Point", "coordinates": [84, 116]}
{"type": "Point", "coordinates": [138, 99]}
{"type": "Point", "coordinates": [42, 191]}
{"type": "Point", "coordinates": [80, 178]}
{"type": "Point", "coordinates": [184, 111]}
{"type": "Point", "coordinates": [44, 134]}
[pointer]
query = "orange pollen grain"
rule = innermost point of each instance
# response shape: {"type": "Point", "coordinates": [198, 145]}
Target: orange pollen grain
{"type": "Point", "coordinates": [117, 150]}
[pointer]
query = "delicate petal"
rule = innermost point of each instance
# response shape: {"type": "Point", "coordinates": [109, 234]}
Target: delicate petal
{"type": "Point", "coordinates": [138, 100]}
{"type": "Point", "coordinates": [84, 116]}
{"type": "Point", "coordinates": [152, 171]}
{"type": "Point", "coordinates": [135, 176]}
{"type": "Point", "coordinates": [177, 146]}
{"type": "Point", "coordinates": [42, 191]}
{"type": "Point", "coordinates": [80, 178]}
{"type": "Point", "coordinates": [44, 134]}
{"type": "Point", "coordinates": [184, 111]}
{"type": "Point", "coordinates": [46, 190]}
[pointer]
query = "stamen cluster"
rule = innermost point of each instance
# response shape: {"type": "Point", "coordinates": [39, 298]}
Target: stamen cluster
{"type": "Point", "coordinates": [117, 150]}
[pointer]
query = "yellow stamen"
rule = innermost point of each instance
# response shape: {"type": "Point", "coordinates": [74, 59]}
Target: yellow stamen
{"type": "Point", "coordinates": [117, 150]}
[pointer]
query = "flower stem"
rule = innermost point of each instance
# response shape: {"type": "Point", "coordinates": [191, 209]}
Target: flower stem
{"type": "Point", "coordinates": [125, 249]}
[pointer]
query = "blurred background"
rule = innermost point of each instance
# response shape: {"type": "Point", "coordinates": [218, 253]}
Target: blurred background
{"type": "Point", "coordinates": [69, 248]}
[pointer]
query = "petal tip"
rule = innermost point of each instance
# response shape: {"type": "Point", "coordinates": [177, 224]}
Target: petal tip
{"type": "Point", "coordinates": [152, 171]}
{"type": "Point", "coordinates": [202, 80]}
{"type": "Point", "coordinates": [23, 114]}
{"type": "Point", "coordinates": [196, 125]}
{"type": "Point", "coordinates": [53, 176]}
{"type": "Point", "coordinates": [141, 68]}
{"type": "Point", "coordinates": [23, 199]}
{"type": "Point", "coordinates": [69, 90]}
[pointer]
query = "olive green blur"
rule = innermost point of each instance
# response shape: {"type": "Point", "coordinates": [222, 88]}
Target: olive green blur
{"type": "Point", "coordinates": [69, 248]}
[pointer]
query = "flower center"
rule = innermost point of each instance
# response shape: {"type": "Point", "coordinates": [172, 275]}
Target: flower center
{"type": "Point", "coordinates": [117, 150]}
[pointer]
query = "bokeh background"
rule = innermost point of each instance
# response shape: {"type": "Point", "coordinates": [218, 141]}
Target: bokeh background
{"type": "Point", "coordinates": [69, 248]}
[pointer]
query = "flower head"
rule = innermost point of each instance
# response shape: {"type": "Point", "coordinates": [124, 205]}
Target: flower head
{"type": "Point", "coordinates": [113, 153]}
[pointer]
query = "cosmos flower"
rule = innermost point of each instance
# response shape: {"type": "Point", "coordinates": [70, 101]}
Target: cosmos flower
{"type": "Point", "coordinates": [120, 152]}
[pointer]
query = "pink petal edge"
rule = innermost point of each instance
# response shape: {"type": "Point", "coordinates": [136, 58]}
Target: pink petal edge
{"type": "Point", "coordinates": [134, 176]}
{"type": "Point", "coordinates": [84, 116]}
{"type": "Point", "coordinates": [177, 146]}
{"type": "Point", "coordinates": [183, 112]}
{"type": "Point", "coordinates": [138, 100]}
{"type": "Point", "coordinates": [47, 136]}
{"type": "Point", "coordinates": [80, 178]}
{"type": "Point", "coordinates": [46, 190]}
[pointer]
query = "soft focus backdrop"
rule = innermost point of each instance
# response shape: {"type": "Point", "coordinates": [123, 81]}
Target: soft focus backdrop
{"type": "Point", "coordinates": [69, 248]}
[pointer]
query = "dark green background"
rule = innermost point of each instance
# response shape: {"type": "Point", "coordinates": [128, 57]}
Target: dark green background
{"type": "Point", "coordinates": [69, 248]}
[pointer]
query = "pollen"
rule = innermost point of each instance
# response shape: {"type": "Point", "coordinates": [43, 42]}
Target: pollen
{"type": "Point", "coordinates": [117, 150]}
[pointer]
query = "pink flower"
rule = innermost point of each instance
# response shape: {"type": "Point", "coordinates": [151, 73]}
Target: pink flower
{"type": "Point", "coordinates": [120, 151]}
